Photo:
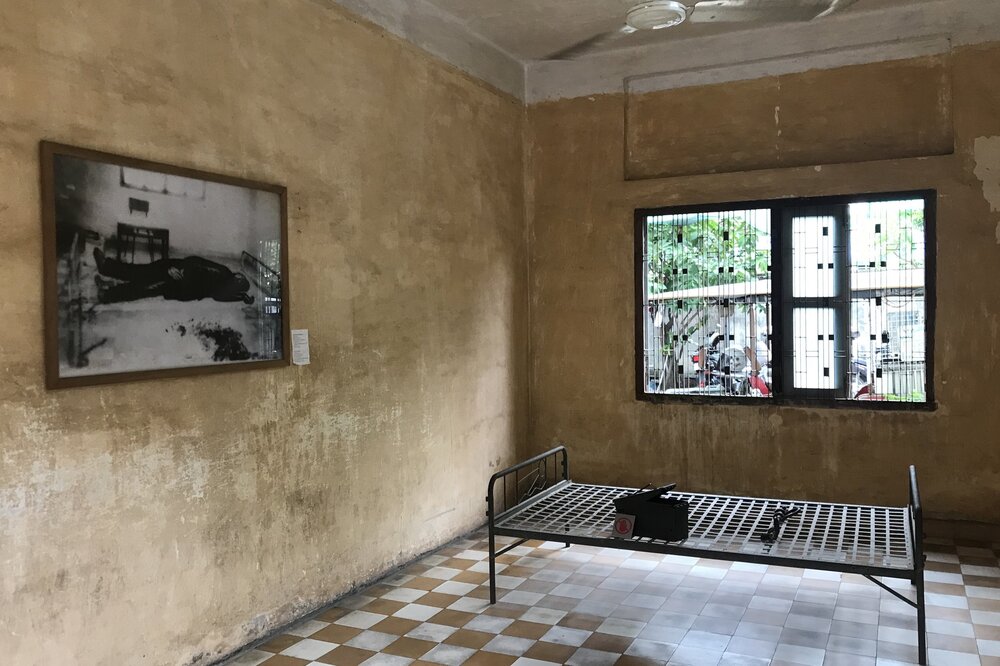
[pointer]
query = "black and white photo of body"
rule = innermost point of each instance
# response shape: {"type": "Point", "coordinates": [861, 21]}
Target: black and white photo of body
{"type": "Point", "coordinates": [157, 271]}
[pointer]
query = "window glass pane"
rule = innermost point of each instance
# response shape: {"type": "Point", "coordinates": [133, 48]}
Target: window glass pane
{"type": "Point", "coordinates": [708, 306]}
{"type": "Point", "coordinates": [813, 345]}
{"type": "Point", "coordinates": [812, 257]}
{"type": "Point", "coordinates": [888, 310]}
{"type": "Point", "coordinates": [855, 300]}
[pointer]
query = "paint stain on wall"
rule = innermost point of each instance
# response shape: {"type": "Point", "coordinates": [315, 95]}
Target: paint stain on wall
{"type": "Point", "coordinates": [986, 153]}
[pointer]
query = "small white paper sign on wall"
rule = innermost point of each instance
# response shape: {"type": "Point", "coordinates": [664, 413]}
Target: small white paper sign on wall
{"type": "Point", "coordinates": [300, 346]}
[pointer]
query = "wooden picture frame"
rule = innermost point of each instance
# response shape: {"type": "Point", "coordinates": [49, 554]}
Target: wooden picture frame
{"type": "Point", "coordinates": [153, 270]}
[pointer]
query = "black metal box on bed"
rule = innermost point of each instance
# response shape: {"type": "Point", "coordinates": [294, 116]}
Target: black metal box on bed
{"type": "Point", "coordinates": [537, 500]}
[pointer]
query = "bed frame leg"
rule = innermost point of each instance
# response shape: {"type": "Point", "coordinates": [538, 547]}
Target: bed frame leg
{"type": "Point", "coordinates": [921, 619]}
{"type": "Point", "coordinates": [492, 547]}
{"type": "Point", "coordinates": [919, 562]}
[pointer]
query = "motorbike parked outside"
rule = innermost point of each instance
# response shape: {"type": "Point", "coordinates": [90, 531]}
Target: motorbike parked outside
{"type": "Point", "coordinates": [733, 371]}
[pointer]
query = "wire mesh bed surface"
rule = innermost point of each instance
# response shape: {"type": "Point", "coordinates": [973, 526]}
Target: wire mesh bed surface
{"type": "Point", "coordinates": [840, 534]}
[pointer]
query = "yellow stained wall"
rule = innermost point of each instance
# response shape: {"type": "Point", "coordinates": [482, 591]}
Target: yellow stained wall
{"type": "Point", "coordinates": [169, 522]}
{"type": "Point", "coordinates": [581, 376]}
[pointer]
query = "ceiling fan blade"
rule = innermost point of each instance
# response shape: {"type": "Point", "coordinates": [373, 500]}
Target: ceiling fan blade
{"type": "Point", "coordinates": [590, 44]}
{"type": "Point", "coordinates": [836, 6]}
{"type": "Point", "coordinates": [746, 11]}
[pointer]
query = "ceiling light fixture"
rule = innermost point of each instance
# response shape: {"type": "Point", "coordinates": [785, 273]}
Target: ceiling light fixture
{"type": "Point", "coordinates": [656, 15]}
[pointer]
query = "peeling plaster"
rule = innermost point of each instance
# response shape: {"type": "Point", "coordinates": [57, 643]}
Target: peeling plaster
{"type": "Point", "coordinates": [986, 153]}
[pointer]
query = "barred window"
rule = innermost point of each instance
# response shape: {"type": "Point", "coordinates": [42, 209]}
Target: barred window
{"type": "Point", "coordinates": [808, 300]}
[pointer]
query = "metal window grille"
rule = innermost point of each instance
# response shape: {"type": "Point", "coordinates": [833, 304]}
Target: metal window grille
{"type": "Point", "coordinates": [802, 300]}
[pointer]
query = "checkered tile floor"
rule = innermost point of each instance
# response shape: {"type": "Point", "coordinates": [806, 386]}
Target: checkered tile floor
{"type": "Point", "coordinates": [593, 606]}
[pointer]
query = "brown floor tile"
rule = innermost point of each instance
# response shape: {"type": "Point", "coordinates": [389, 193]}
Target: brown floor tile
{"type": "Point", "coordinates": [396, 626]}
{"type": "Point", "coordinates": [981, 581]}
{"type": "Point", "coordinates": [468, 638]}
{"type": "Point", "coordinates": [333, 614]}
{"type": "Point", "coordinates": [279, 643]}
{"type": "Point", "coordinates": [607, 596]}
{"type": "Point", "coordinates": [473, 577]}
{"type": "Point", "coordinates": [336, 633]}
{"type": "Point", "coordinates": [490, 659]}
{"type": "Point", "coordinates": [944, 567]}
{"type": "Point", "coordinates": [898, 620]}
{"type": "Point", "coordinates": [946, 588]}
{"type": "Point", "coordinates": [532, 630]}
{"type": "Point", "coordinates": [511, 611]}
{"type": "Point", "coordinates": [378, 590]}
{"type": "Point", "coordinates": [438, 599]}
{"type": "Point", "coordinates": [943, 613]}
{"type": "Point", "coordinates": [452, 618]}
{"type": "Point", "coordinates": [519, 572]}
{"type": "Point", "coordinates": [586, 580]}
{"type": "Point", "coordinates": [457, 563]}
{"type": "Point", "coordinates": [897, 652]}
{"type": "Point", "coordinates": [480, 593]}
{"type": "Point", "coordinates": [579, 621]}
{"type": "Point", "coordinates": [655, 589]}
{"type": "Point", "coordinates": [540, 586]}
{"type": "Point", "coordinates": [423, 583]}
{"type": "Point", "coordinates": [544, 651]}
{"type": "Point", "coordinates": [953, 643]}
{"type": "Point", "coordinates": [607, 643]}
{"type": "Point", "coordinates": [991, 605]}
{"type": "Point", "coordinates": [986, 632]}
{"type": "Point", "coordinates": [345, 656]}
{"type": "Point", "coordinates": [386, 606]}
{"type": "Point", "coordinates": [409, 647]}
{"type": "Point", "coordinates": [282, 660]}
{"type": "Point", "coordinates": [989, 661]}
{"type": "Point", "coordinates": [558, 603]}
{"type": "Point", "coordinates": [416, 570]}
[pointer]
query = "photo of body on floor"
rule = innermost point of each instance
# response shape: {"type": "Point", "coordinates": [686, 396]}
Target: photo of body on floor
{"type": "Point", "coordinates": [158, 271]}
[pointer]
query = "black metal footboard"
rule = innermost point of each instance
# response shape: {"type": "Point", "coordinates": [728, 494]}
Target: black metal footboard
{"type": "Point", "coordinates": [519, 486]}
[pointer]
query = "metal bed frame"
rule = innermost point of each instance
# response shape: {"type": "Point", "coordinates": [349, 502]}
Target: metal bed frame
{"type": "Point", "coordinates": [537, 500]}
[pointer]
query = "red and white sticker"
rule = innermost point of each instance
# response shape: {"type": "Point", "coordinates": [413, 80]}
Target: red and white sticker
{"type": "Point", "coordinates": [624, 524]}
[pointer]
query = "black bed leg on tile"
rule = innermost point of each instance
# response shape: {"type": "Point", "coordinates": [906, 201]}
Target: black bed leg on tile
{"type": "Point", "coordinates": [919, 559]}
{"type": "Point", "coordinates": [492, 547]}
{"type": "Point", "coordinates": [921, 620]}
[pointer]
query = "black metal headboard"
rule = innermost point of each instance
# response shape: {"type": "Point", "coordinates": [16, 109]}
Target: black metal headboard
{"type": "Point", "coordinates": [512, 486]}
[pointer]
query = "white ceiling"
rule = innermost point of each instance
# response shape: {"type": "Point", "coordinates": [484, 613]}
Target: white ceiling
{"type": "Point", "coordinates": [503, 42]}
{"type": "Point", "coordinates": [533, 29]}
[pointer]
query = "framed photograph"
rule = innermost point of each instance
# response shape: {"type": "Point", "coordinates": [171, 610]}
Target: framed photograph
{"type": "Point", "coordinates": [158, 271]}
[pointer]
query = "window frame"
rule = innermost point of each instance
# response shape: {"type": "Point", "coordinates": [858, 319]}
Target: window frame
{"type": "Point", "coordinates": [778, 208]}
